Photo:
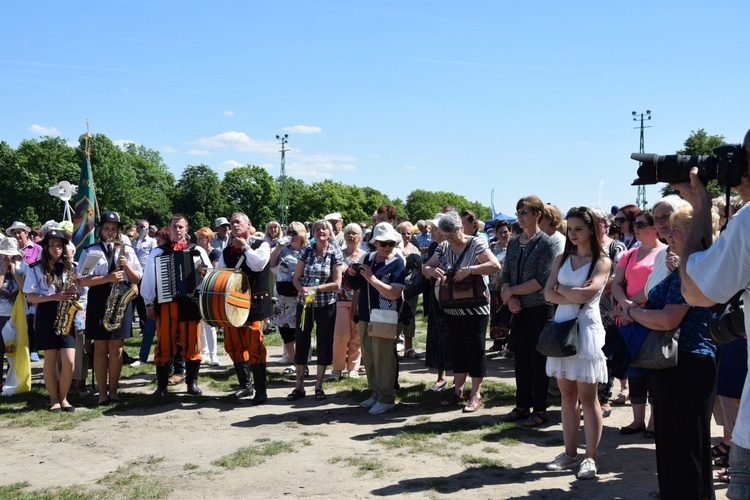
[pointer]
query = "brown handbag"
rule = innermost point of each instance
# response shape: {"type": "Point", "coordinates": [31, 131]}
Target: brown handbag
{"type": "Point", "coordinates": [465, 294]}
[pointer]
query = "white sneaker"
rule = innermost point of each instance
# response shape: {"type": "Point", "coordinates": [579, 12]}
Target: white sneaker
{"type": "Point", "coordinates": [214, 361]}
{"type": "Point", "coordinates": [381, 408]}
{"type": "Point", "coordinates": [284, 359]}
{"type": "Point", "coordinates": [354, 374]}
{"type": "Point", "coordinates": [587, 469]}
{"type": "Point", "coordinates": [369, 403]}
{"type": "Point", "coordinates": [563, 461]}
{"type": "Point", "coordinates": [135, 363]}
{"type": "Point", "coordinates": [205, 358]}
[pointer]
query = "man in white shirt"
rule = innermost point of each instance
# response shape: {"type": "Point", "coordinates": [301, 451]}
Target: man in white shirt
{"type": "Point", "coordinates": [713, 274]}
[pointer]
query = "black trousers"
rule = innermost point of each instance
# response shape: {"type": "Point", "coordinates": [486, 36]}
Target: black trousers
{"type": "Point", "coordinates": [325, 320]}
{"type": "Point", "coordinates": [683, 402]}
{"type": "Point", "coordinates": [532, 381]}
{"type": "Point", "coordinates": [467, 340]}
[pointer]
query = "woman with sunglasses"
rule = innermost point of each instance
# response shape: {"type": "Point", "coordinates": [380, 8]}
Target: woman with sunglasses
{"type": "Point", "coordinates": [624, 218]}
{"type": "Point", "coordinates": [576, 283]}
{"type": "Point", "coordinates": [464, 255]}
{"type": "Point", "coordinates": [283, 262]}
{"type": "Point", "coordinates": [379, 285]}
{"type": "Point", "coordinates": [628, 286]}
{"type": "Point", "coordinates": [317, 278]}
{"type": "Point", "coordinates": [528, 263]}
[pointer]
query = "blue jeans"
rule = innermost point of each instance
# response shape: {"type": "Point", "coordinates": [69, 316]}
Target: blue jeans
{"type": "Point", "coordinates": [739, 461]}
{"type": "Point", "coordinates": [147, 339]}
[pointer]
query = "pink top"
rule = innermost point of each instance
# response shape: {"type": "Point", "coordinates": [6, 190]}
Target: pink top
{"type": "Point", "coordinates": [637, 271]}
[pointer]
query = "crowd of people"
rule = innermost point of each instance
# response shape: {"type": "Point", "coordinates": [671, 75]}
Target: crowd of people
{"type": "Point", "coordinates": [621, 274]}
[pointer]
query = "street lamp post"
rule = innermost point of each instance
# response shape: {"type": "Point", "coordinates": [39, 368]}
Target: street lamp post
{"type": "Point", "coordinates": [283, 205]}
{"type": "Point", "coordinates": [640, 199]}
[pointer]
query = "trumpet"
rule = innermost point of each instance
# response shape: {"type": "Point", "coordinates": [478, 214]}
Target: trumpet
{"type": "Point", "coordinates": [120, 295]}
{"type": "Point", "coordinates": [66, 309]}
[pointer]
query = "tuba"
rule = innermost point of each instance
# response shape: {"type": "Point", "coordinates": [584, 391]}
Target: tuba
{"type": "Point", "coordinates": [120, 295]}
{"type": "Point", "coordinates": [66, 310]}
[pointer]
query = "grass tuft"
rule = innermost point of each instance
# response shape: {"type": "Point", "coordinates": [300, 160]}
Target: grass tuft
{"type": "Point", "coordinates": [250, 456]}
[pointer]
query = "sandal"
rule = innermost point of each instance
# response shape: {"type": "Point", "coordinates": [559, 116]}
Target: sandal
{"type": "Point", "coordinates": [295, 395]}
{"type": "Point", "coordinates": [453, 399]}
{"type": "Point", "coordinates": [536, 419]}
{"type": "Point", "coordinates": [622, 397]}
{"type": "Point", "coordinates": [516, 414]}
{"type": "Point", "coordinates": [473, 405]}
{"type": "Point", "coordinates": [319, 395]}
{"type": "Point", "coordinates": [439, 386]}
{"type": "Point", "coordinates": [724, 475]}
{"type": "Point", "coordinates": [721, 462]}
{"type": "Point", "coordinates": [720, 450]}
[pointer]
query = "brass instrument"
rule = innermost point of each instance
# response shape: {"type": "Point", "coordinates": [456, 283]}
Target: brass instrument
{"type": "Point", "coordinates": [66, 309]}
{"type": "Point", "coordinates": [120, 295]}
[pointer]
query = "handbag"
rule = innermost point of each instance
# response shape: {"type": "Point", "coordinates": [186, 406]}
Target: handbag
{"type": "Point", "coordinates": [658, 351]}
{"type": "Point", "coordinates": [413, 283]}
{"type": "Point", "coordinates": [465, 294]}
{"type": "Point", "coordinates": [560, 339]}
{"type": "Point", "coordinates": [504, 319]}
{"type": "Point", "coordinates": [383, 322]}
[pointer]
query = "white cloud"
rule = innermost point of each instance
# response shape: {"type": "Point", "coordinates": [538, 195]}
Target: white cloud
{"type": "Point", "coordinates": [72, 143]}
{"type": "Point", "coordinates": [167, 149]}
{"type": "Point", "coordinates": [199, 152]}
{"type": "Point", "coordinates": [229, 165]}
{"type": "Point", "coordinates": [39, 130]}
{"type": "Point", "coordinates": [302, 129]}
{"type": "Point", "coordinates": [236, 141]}
{"type": "Point", "coordinates": [228, 112]}
{"type": "Point", "coordinates": [123, 143]}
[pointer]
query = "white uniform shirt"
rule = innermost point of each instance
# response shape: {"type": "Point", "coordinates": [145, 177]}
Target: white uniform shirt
{"type": "Point", "coordinates": [256, 259]}
{"type": "Point", "coordinates": [102, 267]}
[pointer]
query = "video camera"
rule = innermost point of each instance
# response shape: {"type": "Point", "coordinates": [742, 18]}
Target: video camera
{"type": "Point", "coordinates": [727, 167]}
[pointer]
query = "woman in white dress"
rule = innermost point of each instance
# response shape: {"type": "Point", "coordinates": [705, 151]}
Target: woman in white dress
{"type": "Point", "coordinates": [575, 284]}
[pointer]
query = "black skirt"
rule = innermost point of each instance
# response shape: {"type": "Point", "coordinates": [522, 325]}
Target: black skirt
{"type": "Point", "coordinates": [97, 303]}
{"type": "Point", "coordinates": [44, 326]}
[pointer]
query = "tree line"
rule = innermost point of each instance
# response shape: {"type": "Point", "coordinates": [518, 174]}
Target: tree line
{"type": "Point", "coordinates": [135, 182]}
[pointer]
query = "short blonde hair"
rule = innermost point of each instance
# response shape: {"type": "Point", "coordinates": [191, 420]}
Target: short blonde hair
{"type": "Point", "coordinates": [683, 217]}
{"type": "Point", "coordinates": [204, 232]}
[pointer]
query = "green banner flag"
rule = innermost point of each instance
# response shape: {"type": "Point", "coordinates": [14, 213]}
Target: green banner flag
{"type": "Point", "coordinates": [85, 216]}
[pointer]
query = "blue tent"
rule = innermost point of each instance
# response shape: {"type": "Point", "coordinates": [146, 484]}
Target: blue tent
{"type": "Point", "coordinates": [500, 216]}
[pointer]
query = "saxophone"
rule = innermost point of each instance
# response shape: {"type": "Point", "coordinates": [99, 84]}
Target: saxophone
{"type": "Point", "coordinates": [120, 295]}
{"type": "Point", "coordinates": [66, 310]}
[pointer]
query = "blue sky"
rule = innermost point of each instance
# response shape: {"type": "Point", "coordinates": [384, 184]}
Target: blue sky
{"type": "Point", "coordinates": [523, 97]}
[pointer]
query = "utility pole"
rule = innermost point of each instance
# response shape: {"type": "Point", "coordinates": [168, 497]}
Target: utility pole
{"type": "Point", "coordinates": [640, 199]}
{"type": "Point", "coordinates": [283, 204]}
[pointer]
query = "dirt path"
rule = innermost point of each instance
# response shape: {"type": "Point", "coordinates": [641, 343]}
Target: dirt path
{"type": "Point", "coordinates": [332, 449]}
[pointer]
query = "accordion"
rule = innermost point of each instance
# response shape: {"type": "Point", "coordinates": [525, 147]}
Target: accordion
{"type": "Point", "coordinates": [176, 275]}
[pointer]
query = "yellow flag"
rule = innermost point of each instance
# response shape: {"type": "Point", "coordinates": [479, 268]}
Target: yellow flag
{"type": "Point", "coordinates": [16, 336]}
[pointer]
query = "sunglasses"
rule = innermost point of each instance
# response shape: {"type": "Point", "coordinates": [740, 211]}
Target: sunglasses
{"type": "Point", "coordinates": [386, 244]}
{"type": "Point", "coordinates": [291, 232]}
{"type": "Point", "coordinates": [621, 219]}
{"type": "Point", "coordinates": [641, 225]}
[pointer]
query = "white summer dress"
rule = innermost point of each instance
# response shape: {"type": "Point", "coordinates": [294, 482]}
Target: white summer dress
{"type": "Point", "coordinates": [589, 365]}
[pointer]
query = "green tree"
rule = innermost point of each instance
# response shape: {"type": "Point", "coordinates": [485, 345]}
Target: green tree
{"type": "Point", "coordinates": [155, 183]}
{"type": "Point", "coordinates": [700, 143]}
{"type": "Point", "coordinates": [253, 191]}
{"type": "Point", "coordinates": [199, 190]}
{"type": "Point", "coordinates": [421, 204]}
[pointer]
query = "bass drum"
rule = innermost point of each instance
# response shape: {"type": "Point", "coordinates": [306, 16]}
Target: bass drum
{"type": "Point", "coordinates": [225, 298]}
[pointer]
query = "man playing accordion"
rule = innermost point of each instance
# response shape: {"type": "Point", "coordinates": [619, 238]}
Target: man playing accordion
{"type": "Point", "coordinates": [168, 288]}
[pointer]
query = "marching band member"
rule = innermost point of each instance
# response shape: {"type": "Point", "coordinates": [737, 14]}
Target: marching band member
{"type": "Point", "coordinates": [245, 344]}
{"type": "Point", "coordinates": [117, 263]}
{"type": "Point", "coordinates": [177, 322]}
{"type": "Point", "coordinates": [51, 284]}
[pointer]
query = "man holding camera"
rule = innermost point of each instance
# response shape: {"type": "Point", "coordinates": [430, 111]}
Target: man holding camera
{"type": "Point", "coordinates": [713, 274]}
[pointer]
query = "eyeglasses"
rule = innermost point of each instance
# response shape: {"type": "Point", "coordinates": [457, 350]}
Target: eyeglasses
{"type": "Point", "coordinates": [450, 235]}
{"type": "Point", "coordinates": [291, 232]}
{"type": "Point", "coordinates": [522, 213]}
{"type": "Point", "coordinates": [659, 219]}
{"type": "Point", "coordinates": [641, 225]}
{"type": "Point", "coordinates": [621, 219]}
{"type": "Point", "coordinates": [386, 244]}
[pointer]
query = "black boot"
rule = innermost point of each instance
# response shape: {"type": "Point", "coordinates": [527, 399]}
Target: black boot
{"type": "Point", "coordinates": [191, 372]}
{"type": "Point", "coordinates": [243, 376]}
{"type": "Point", "coordinates": [162, 381]}
{"type": "Point", "coordinates": [259, 375]}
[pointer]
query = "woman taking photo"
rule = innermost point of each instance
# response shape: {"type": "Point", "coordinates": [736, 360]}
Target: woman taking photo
{"type": "Point", "coordinates": [381, 282]}
{"type": "Point", "coordinates": [117, 264]}
{"type": "Point", "coordinates": [464, 255]}
{"type": "Point", "coordinates": [317, 278]}
{"type": "Point", "coordinates": [528, 263]}
{"type": "Point", "coordinates": [49, 282]}
{"type": "Point", "coordinates": [575, 284]}
{"type": "Point", "coordinates": [283, 262]}
{"type": "Point", "coordinates": [346, 341]}
{"type": "Point", "coordinates": [682, 394]}
{"type": "Point", "coordinates": [627, 289]}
